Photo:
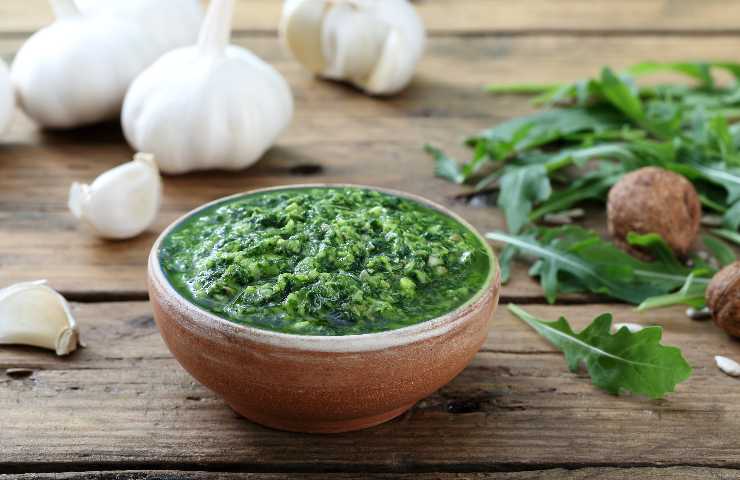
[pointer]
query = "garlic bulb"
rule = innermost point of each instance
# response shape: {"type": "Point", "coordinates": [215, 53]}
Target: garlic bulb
{"type": "Point", "coordinates": [7, 97]}
{"type": "Point", "coordinates": [373, 44]}
{"type": "Point", "coordinates": [33, 314]}
{"type": "Point", "coordinates": [122, 202]}
{"type": "Point", "coordinates": [169, 23]}
{"type": "Point", "coordinates": [76, 71]}
{"type": "Point", "coordinates": [212, 105]}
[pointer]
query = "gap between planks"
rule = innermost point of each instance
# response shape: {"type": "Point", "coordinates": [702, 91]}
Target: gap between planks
{"type": "Point", "coordinates": [353, 468]}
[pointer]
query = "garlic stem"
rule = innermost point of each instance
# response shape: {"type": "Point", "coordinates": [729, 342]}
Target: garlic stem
{"type": "Point", "coordinates": [64, 8]}
{"type": "Point", "coordinates": [215, 33]}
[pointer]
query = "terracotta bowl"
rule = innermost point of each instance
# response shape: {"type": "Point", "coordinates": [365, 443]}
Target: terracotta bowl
{"type": "Point", "coordinates": [320, 383]}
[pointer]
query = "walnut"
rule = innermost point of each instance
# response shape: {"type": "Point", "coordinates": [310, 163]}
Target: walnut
{"type": "Point", "coordinates": [653, 200]}
{"type": "Point", "coordinates": [723, 299]}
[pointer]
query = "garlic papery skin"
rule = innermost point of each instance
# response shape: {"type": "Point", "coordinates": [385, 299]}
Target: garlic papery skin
{"type": "Point", "coordinates": [122, 202]}
{"type": "Point", "coordinates": [76, 71]}
{"type": "Point", "coordinates": [209, 106]}
{"type": "Point", "coordinates": [169, 23]}
{"type": "Point", "coordinates": [372, 44]}
{"type": "Point", "coordinates": [32, 313]}
{"type": "Point", "coordinates": [7, 98]}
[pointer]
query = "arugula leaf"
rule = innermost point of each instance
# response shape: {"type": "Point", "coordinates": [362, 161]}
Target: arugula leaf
{"type": "Point", "coordinates": [719, 250]}
{"type": "Point", "coordinates": [728, 178]}
{"type": "Point", "coordinates": [586, 188]}
{"type": "Point", "coordinates": [520, 189]}
{"type": "Point", "coordinates": [700, 71]}
{"type": "Point", "coordinates": [531, 131]}
{"type": "Point", "coordinates": [730, 235]}
{"type": "Point", "coordinates": [622, 94]}
{"type": "Point", "coordinates": [624, 361]}
{"type": "Point", "coordinates": [445, 167]}
{"type": "Point", "coordinates": [571, 259]}
{"type": "Point", "coordinates": [692, 294]}
{"type": "Point", "coordinates": [520, 88]}
{"type": "Point", "coordinates": [731, 218]}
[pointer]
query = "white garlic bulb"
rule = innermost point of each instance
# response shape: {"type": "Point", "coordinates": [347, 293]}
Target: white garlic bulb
{"type": "Point", "coordinates": [122, 202]}
{"type": "Point", "coordinates": [373, 44]}
{"type": "Point", "coordinates": [76, 71]}
{"type": "Point", "coordinates": [7, 97]}
{"type": "Point", "coordinates": [31, 313]}
{"type": "Point", "coordinates": [212, 105]}
{"type": "Point", "coordinates": [169, 23]}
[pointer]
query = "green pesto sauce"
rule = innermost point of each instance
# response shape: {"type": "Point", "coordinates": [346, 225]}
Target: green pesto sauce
{"type": "Point", "coordinates": [324, 261]}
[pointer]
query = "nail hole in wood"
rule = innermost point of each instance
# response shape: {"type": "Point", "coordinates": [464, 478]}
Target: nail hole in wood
{"type": "Point", "coordinates": [19, 373]}
{"type": "Point", "coordinates": [463, 406]}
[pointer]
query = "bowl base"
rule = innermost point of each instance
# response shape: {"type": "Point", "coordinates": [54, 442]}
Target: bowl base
{"type": "Point", "coordinates": [320, 426]}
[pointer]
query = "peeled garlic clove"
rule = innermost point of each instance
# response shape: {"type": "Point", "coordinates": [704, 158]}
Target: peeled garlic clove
{"type": "Point", "coordinates": [7, 97]}
{"type": "Point", "coordinates": [632, 327]}
{"type": "Point", "coordinates": [728, 366]}
{"type": "Point", "coordinates": [33, 314]}
{"type": "Point", "coordinates": [122, 202]}
{"type": "Point", "coordinates": [373, 44]}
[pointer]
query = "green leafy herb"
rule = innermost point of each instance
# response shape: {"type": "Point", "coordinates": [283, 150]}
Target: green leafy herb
{"type": "Point", "coordinates": [523, 187]}
{"type": "Point", "coordinates": [692, 294]}
{"type": "Point", "coordinates": [446, 167]}
{"type": "Point", "coordinates": [730, 235]}
{"type": "Point", "coordinates": [598, 129]}
{"type": "Point", "coordinates": [623, 361]}
{"type": "Point", "coordinates": [722, 252]}
{"type": "Point", "coordinates": [572, 259]}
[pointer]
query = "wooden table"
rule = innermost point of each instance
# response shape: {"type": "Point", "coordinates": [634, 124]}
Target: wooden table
{"type": "Point", "coordinates": [124, 408]}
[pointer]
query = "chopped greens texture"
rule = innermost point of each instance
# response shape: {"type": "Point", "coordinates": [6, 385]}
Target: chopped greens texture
{"type": "Point", "coordinates": [325, 261]}
{"type": "Point", "coordinates": [624, 361]}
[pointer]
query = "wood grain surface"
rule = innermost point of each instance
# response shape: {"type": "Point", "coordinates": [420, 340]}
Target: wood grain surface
{"type": "Point", "coordinates": [123, 408]}
{"type": "Point", "coordinates": [454, 17]}
{"type": "Point", "coordinates": [123, 402]}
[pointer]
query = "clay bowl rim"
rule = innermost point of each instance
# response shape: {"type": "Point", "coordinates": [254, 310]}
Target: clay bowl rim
{"type": "Point", "coordinates": [197, 316]}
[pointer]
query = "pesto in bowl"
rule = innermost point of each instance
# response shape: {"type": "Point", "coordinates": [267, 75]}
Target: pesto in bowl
{"type": "Point", "coordinates": [324, 261]}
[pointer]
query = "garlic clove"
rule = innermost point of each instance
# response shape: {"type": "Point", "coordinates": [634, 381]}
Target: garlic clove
{"type": "Point", "coordinates": [300, 29]}
{"type": "Point", "coordinates": [32, 313]}
{"type": "Point", "coordinates": [375, 45]}
{"type": "Point", "coordinates": [352, 42]}
{"type": "Point", "coordinates": [394, 68]}
{"type": "Point", "coordinates": [632, 327]}
{"type": "Point", "coordinates": [728, 365]}
{"type": "Point", "coordinates": [7, 97]}
{"type": "Point", "coordinates": [122, 202]}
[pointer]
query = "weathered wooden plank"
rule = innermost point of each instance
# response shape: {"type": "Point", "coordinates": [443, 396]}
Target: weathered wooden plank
{"type": "Point", "coordinates": [124, 403]}
{"type": "Point", "coordinates": [337, 136]}
{"type": "Point", "coordinates": [479, 16]}
{"type": "Point", "coordinates": [643, 473]}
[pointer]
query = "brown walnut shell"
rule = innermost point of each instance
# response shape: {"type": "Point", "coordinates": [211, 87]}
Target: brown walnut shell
{"type": "Point", "coordinates": [723, 299]}
{"type": "Point", "coordinates": [653, 200]}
